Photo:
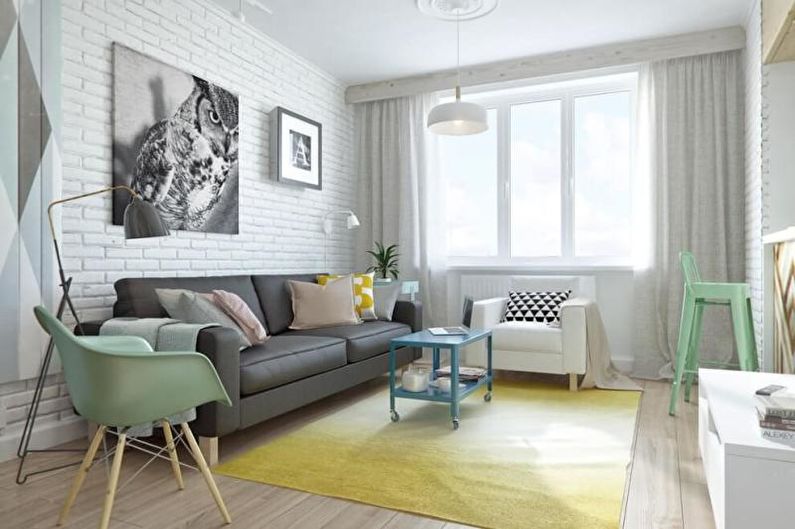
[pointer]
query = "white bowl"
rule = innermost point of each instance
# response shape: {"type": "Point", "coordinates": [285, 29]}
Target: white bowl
{"type": "Point", "coordinates": [415, 381]}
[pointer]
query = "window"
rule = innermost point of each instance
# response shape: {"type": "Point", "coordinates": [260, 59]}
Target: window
{"type": "Point", "coordinates": [470, 164]}
{"type": "Point", "coordinates": [550, 182]}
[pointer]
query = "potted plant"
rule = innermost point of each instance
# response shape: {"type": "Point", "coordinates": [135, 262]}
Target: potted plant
{"type": "Point", "coordinates": [386, 262]}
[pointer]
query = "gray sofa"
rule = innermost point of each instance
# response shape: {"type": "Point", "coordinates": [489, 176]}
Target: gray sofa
{"type": "Point", "coordinates": [292, 368]}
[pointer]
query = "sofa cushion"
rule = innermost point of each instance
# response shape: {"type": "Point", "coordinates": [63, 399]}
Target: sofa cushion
{"type": "Point", "coordinates": [136, 296]}
{"type": "Point", "coordinates": [365, 340]}
{"type": "Point", "coordinates": [274, 299]}
{"type": "Point", "coordinates": [284, 359]}
{"type": "Point", "coordinates": [527, 336]}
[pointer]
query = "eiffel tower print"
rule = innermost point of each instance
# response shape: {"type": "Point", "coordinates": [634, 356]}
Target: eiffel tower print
{"type": "Point", "coordinates": [302, 151]}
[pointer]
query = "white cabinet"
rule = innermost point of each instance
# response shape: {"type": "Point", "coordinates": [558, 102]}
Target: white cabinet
{"type": "Point", "coordinates": [751, 481]}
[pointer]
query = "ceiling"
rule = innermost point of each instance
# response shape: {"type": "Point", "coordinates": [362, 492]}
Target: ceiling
{"type": "Point", "coordinates": [359, 41]}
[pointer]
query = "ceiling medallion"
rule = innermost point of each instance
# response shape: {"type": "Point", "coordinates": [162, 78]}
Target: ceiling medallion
{"type": "Point", "coordinates": [454, 10]}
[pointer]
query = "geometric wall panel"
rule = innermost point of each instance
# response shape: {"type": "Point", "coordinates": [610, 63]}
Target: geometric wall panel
{"type": "Point", "coordinates": [29, 118]}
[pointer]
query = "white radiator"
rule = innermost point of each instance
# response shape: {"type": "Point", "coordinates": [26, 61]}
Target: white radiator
{"type": "Point", "coordinates": [481, 286]}
{"type": "Point", "coordinates": [485, 286]}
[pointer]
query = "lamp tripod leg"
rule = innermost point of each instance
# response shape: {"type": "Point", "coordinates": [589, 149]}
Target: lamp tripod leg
{"type": "Point", "coordinates": [30, 421]}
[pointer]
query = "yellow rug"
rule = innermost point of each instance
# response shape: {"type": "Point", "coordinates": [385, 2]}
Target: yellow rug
{"type": "Point", "coordinates": [537, 456]}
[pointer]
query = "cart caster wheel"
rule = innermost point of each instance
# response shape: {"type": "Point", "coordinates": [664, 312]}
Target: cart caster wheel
{"type": "Point", "coordinates": [487, 397]}
{"type": "Point", "coordinates": [394, 416]}
{"type": "Point", "coordinates": [455, 424]}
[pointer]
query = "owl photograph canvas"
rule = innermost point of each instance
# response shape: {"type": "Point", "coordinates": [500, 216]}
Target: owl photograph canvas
{"type": "Point", "coordinates": [175, 143]}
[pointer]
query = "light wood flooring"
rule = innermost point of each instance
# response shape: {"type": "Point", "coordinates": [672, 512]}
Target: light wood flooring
{"type": "Point", "coordinates": [665, 485]}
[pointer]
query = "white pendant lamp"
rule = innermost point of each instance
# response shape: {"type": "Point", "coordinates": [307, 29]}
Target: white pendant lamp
{"type": "Point", "coordinates": [458, 118]}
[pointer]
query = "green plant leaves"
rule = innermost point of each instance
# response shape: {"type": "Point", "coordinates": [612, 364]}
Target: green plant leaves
{"type": "Point", "coordinates": [386, 260]}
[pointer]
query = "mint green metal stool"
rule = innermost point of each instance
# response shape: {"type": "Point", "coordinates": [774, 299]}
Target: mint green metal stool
{"type": "Point", "coordinates": [699, 294]}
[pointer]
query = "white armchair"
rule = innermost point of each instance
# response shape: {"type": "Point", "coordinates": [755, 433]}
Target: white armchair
{"type": "Point", "coordinates": [532, 346]}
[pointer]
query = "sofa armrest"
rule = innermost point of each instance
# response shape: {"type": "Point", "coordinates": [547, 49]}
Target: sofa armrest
{"type": "Point", "coordinates": [573, 326]}
{"type": "Point", "coordinates": [410, 313]}
{"type": "Point", "coordinates": [487, 313]}
{"type": "Point", "coordinates": [221, 346]}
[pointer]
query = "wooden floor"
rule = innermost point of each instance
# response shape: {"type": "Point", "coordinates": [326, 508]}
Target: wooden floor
{"type": "Point", "coordinates": [665, 486]}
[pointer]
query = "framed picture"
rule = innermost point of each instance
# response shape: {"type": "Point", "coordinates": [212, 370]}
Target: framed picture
{"type": "Point", "coordinates": [296, 149]}
{"type": "Point", "coordinates": [175, 143]}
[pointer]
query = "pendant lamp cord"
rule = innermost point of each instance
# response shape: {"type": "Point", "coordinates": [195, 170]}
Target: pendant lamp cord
{"type": "Point", "coordinates": [458, 53]}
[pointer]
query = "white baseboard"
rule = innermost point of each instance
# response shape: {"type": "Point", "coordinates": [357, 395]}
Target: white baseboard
{"type": "Point", "coordinates": [46, 436]}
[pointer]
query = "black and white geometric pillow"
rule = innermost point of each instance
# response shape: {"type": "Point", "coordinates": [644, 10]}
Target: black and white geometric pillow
{"type": "Point", "coordinates": [535, 306]}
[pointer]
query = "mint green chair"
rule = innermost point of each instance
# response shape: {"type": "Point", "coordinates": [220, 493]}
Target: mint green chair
{"type": "Point", "coordinates": [697, 295]}
{"type": "Point", "coordinates": [119, 382]}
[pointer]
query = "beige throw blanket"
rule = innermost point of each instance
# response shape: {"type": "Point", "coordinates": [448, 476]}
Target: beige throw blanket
{"type": "Point", "coordinates": [600, 371]}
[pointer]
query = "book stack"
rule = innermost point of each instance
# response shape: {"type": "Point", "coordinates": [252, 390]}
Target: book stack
{"type": "Point", "coordinates": [464, 373]}
{"type": "Point", "coordinates": [775, 408]}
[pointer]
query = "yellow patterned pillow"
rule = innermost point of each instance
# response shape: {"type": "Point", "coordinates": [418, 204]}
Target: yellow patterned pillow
{"type": "Point", "coordinates": [362, 293]}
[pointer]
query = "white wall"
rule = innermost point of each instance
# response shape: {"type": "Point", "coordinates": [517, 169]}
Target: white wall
{"type": "Point", "coordinates": [778, 181]}
{"type": "Point", "coordinates": [779, 98]}
{"type": "Point", "coordinates": [777, 87]}
{"type": "Point", "coordinates": [280, 226]}
{"type": "Point", "coordinates": [754, 270]}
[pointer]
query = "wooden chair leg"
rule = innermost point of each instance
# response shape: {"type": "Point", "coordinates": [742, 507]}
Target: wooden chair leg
{"type": "Point", "coordinates": [88, 460]}
{"type": "Point", "coordinates": [113, 481]}
{"type": "Point", "coordinates": [682, 347]}
{"type": "Point", "coordinates": [205, 470]}
{"type": "Point", "coordinates": [572, 381]}
{"type": "Point", "coordinates": [172, 453]}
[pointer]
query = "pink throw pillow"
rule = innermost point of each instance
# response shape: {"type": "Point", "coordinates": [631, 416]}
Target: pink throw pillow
{"type": "Point", "coordinates": [239, 311]}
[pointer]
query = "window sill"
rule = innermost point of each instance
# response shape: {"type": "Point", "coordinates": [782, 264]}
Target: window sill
{"type": "Point", "coordinates": [538, 268]}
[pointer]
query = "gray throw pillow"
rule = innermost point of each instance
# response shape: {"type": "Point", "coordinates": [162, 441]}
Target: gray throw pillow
{"type": "Point", "coordinates": [386, 296]}
{"type": "Point", "coordinates": [199, 308]}
{"type": "Point", "coordinates": [169, 300]}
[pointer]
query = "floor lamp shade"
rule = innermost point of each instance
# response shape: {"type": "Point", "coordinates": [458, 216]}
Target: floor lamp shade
{"type": "Point", "coordinates": [141, 220]}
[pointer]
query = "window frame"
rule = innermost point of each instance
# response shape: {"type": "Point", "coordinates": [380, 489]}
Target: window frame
{"type": "Point", "coordinates": [565, 91]}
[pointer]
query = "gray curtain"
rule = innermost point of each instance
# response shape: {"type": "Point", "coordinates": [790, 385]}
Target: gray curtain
{"type": "Point", "coordinates": [399, 198]}
{"type": "Point", "coordinates": [691, 151]}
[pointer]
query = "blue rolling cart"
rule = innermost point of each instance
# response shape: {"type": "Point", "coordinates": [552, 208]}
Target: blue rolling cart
{"type": "Point", "coordinates": [436, 343]}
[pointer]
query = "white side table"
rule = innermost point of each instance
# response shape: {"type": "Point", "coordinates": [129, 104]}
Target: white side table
{"type": "Point", "coordinates": [751, 481]}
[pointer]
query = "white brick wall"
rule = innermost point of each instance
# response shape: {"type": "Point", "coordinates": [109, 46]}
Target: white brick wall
{"type": "Point", "coordinates": [754, 220]}
{"type": "Point", "coordinates": [280, 226]}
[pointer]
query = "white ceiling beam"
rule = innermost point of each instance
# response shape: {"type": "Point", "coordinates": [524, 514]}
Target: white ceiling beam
{"type": "Point", "coordinates": [604, 56]}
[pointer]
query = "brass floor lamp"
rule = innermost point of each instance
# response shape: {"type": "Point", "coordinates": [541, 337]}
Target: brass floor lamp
{"type": "Point", "coordinates": [141, 220]}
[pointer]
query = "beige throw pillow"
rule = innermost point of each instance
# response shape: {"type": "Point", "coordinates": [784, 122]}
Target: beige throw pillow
{"type": "Point", "coordinates": [328, 305]}
{"type": "Point", "coordinates": [238, 310]}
